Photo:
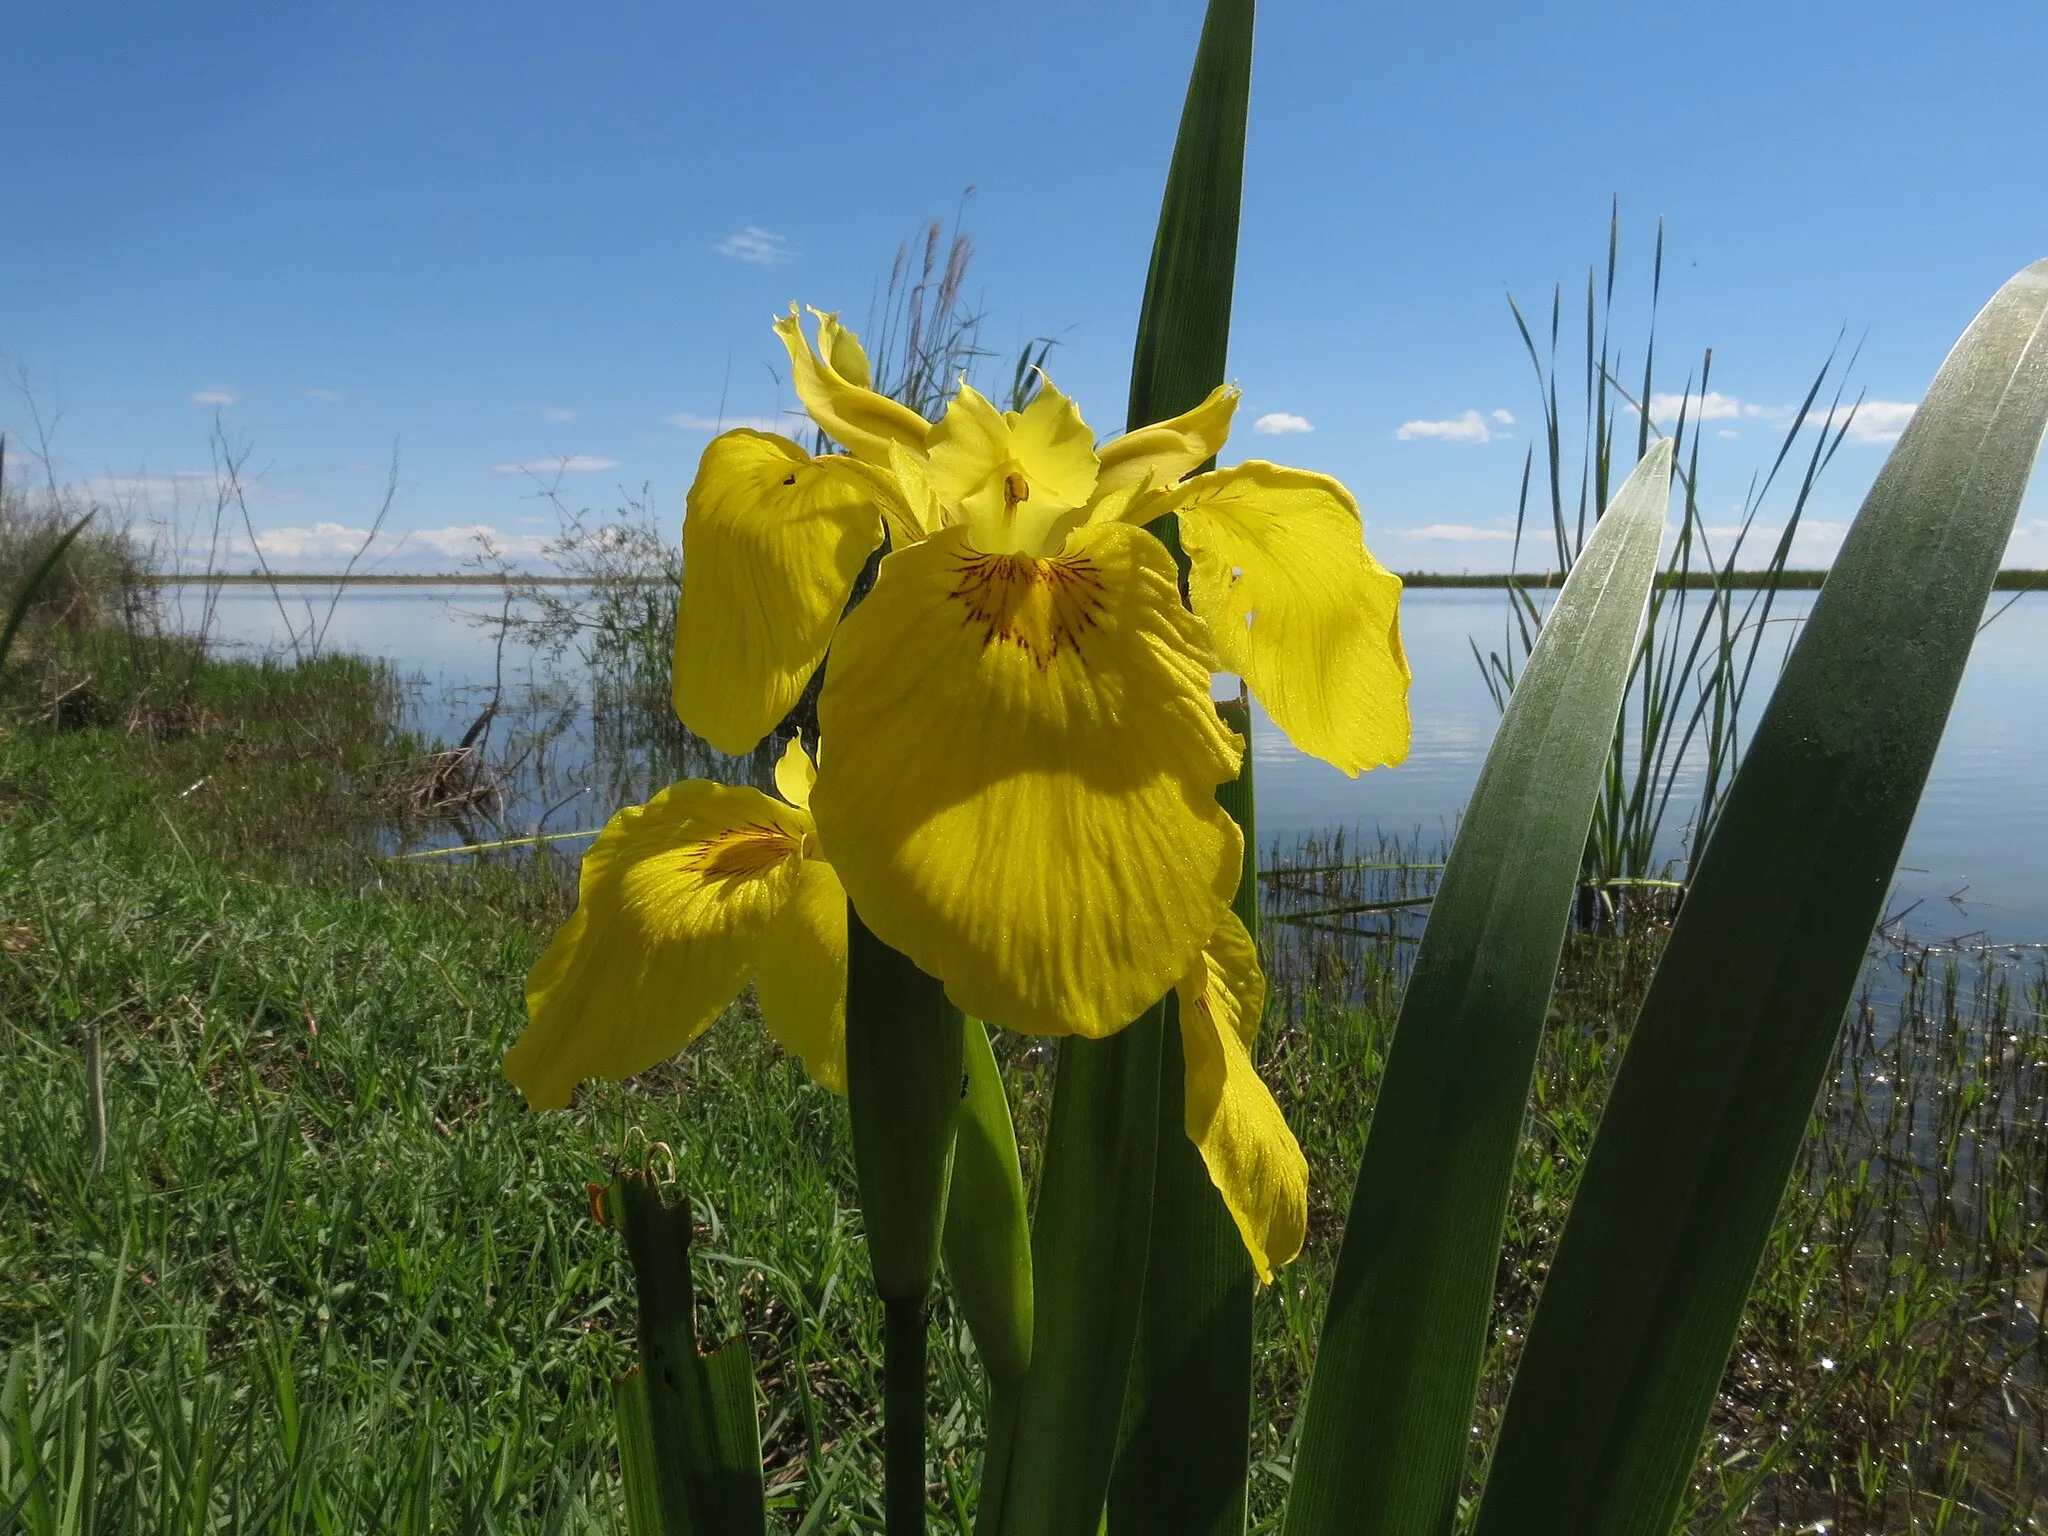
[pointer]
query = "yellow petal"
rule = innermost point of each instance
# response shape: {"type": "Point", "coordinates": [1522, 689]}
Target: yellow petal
{"type": "Point", "coordinates": [920, 515]}
{"type": "Point", "coordinates": [772, 542]}
{"type": "Point", "coordinates": [1169, 449]}
{"type": "Point", "coordinates": [802, 979]}
{"type": "Point", "coordinates": [1299, 608]}
{"type": "Point", "coordinates": [1018, 786]}
{"type": "Point", "coordinates": [1016, 479]}
{"type": "Point", "coordinates": [853, 414]}
{"type": "Point", "coordinates": [840, 350]}
{"type": "Point", "coordinates": [675, 900]}
{"type": "Point", "coordinates": [1253, 1159]}
{"type": "Point", "coordinates": [795, 773]}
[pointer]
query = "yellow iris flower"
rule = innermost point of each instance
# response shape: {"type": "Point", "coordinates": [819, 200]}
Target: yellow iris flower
{"type": "Point", "coordinates": [680, 901]}
{"type": "Point", "coordinates": [684, 898]}
{"type": "Point", "coordinates": [1019, 794]}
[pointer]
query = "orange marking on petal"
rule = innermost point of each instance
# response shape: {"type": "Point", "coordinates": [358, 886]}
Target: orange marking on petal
{"type": "Point", "coordinates": [744, 850]}
{"type": "Point", "coordinates": [1039, 606]}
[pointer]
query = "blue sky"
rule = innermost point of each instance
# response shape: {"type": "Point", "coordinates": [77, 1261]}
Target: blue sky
{"type": "Point", "coordinates": [506, 235]}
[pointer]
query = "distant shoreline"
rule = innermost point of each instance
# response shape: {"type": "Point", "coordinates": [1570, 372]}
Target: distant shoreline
{"type": "Point", "coordinates": [1797, 581]}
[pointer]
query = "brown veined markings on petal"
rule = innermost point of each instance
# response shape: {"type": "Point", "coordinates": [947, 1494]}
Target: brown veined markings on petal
{"type": "Point", "coordinates": [1039, 606]}
{"type": "Point", "coordinates": [742, 850]}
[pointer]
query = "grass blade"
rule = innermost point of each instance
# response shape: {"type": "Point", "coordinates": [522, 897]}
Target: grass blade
{"type": "Point", "coordinates": [1641, 1306]}
{"type": "Point", "coordinates": [1386, 1430]}
{"type": "Point", "coordinates": [37, 580]}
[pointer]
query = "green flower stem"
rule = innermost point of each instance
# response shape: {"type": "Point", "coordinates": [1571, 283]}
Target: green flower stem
{"type": "Point", "coordinates": [903, 1086]}
{"type": "Point", "coordinates": [903, 1392]}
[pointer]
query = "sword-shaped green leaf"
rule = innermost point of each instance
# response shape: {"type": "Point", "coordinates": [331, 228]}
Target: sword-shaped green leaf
{"type": "Point", "coordinates": [1387, 1427]}
{"type": "Point", "coordinates": [988, 1232]}
{"type": "Point", "coordinates": [1699, 1137]}
{"type": "Point", "coordinates": [1052, 1446]}
{"type": "Point", "coordinates": [689, 1441]}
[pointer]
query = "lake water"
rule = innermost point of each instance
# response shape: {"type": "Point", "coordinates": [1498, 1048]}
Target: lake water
{"type": "Point", "coordinates": [1976, 863]}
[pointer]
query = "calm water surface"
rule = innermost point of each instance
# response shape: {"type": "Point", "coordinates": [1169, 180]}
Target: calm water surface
{"type": "Point", "coordinates": [1976, 862]}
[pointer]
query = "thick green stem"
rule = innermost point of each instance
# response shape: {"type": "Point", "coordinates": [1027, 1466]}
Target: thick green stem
{"type": "Point", "coordinates": [903, 1370]}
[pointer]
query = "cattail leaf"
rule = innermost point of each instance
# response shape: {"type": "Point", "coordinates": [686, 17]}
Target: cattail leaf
{"type": "Point", "coordinates": [988, 1233]}
{"type": "Point", "coordinates": [1701, 1132]}
{"type": "Point", "coordinates": [903, 1087]}
{"type": "Point", "coordinates": [689, 1439]}
{"type": "Point", "coordinates": [1387, 1426]}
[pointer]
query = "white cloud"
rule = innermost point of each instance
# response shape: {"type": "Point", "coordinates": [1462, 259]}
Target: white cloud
{"type": "Point", "coordinates": [763, 248]}
{"type": "Point", "coordinates": [557, 413]}
{"type": "Point", "coordinates": [1714, 406]}
{"type": "Point", "coordinates": [1280, 423]}
{"type": "Point", "coordinates": [327, 395]}
{"type": "Point", "coordinates": [1874, 421]}
{"type": "Point", "coordinates": [216, 395]}
{"type": "Point", "coordinates": [1468, 428]}
{"type": "Point", "coordinates": [1726, 432]}
{"type": "Point", "coordinates": [459, 540]}
{"type": "Point", "coordinates": [570, 463]}
{"type": "Point", "coordinates": [1458, 533]}
{"type": "Point", "coordinates": [1505, 418]}
{"type": "Point", "coordinates": [691, 422]}
{"type": "Point", "coordinates": [321, 541]}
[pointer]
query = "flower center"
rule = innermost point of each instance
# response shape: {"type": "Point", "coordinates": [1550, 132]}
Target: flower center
{"type": "Point", "coordinates": [739, 851]}
{"type": "Point", "coordinates": [1040, 606]}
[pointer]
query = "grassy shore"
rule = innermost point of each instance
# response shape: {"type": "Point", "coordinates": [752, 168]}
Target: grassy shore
{"type": "Point", "coordinates": [280, 1251]}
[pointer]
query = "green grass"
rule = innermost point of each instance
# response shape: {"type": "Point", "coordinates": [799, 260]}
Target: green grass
{"type": "Point", "coordinates": [334, 1277]}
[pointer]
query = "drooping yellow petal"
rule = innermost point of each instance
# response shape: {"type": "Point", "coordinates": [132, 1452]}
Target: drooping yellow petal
{"type": "Point", "coordinates": [802, 979]}
{"type": "Point", "coordinates": [675, 900]}
{"type": "Point", "coordinates": [1017, 479]}
{"type": "Point", "coordinates": [1167, 450]}
{"type": "Point", "coordinates": [1299, 608]}
{"type": "Point", "coordinates": [795, 773]}
{"type": "Point", "coordinates": [772, 542]}
{"type": "Point", "coordinates": [1018, 782]}
{"type": "Point", "coordinates": [865, 421]}
{"type": "Point", "coordinates": [1252, 1157]}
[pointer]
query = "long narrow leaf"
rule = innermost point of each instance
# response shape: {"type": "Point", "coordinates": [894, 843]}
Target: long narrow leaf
{"type": "Point", "coordinates": [1700, 1135]}
{"type": "Point", "coordinates": [689, 1440]}
{"type": "Point", "coordinates": [1051, 1448]}
{"type": "Point", "coordinates": [1386, 1431]}
{"type": "Point", "coordinates": [1183, 1467]}
{"type": "Point", "coordinates": [37, 580]}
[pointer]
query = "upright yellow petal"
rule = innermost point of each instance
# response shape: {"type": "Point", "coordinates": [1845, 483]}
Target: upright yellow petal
{"type": "Point", "coordinates": [802, 979]}
{"type": "Point", "coordinates": [772, 542]}
{"type": "Point", "coordinates": [853, 414]}
{"type": "Point", "coordinates": [1166, 450]}
{"type": "Point", "coordinates": [1299, 608]}
{"type": "Point", "coordinates": [674, 903]}
{"type": "Point", "coordinates": [1017, 479]}
{"type": "Point", "coordinates": [1018, 781]}
{"type": "Point", "coordinates": [1252, 1157]}
{"type": "Point", "coordinates": [795, 773]}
